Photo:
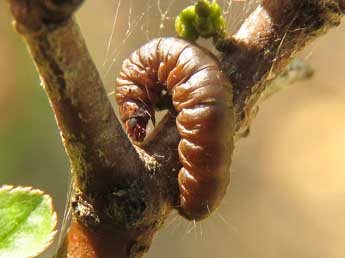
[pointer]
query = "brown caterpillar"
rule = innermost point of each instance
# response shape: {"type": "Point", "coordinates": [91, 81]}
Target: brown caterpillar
{"type": "Point", "coordinates": [202, 96]}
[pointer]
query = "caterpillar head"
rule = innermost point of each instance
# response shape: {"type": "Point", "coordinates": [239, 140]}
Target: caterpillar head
{"type": "Point", "coordinates": [136, 128]}
{"type": "Point", "coordinates": [135, 117]}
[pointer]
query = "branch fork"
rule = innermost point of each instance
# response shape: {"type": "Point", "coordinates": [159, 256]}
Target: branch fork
{"type": "Point", "coordinates": [123, 193]}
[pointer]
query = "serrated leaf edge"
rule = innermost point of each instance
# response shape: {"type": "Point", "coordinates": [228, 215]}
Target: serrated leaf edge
{"type": "Point", "coordinates": [30, 190]}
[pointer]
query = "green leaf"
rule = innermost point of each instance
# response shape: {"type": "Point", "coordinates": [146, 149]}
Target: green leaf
{"type": "Point", "coordinates": [27, 222]}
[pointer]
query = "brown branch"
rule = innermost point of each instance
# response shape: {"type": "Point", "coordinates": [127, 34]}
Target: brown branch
{"type": "Point", "coordinates": [123, 193]}
{"type": "Point", "coordinates": [267, 41]}
{"type": "Point", "coordinates": [105, 165]}
{"type": "Point", "coordinates": [298, 70]}
{"type": "Point", "coordinates": [261, 50]}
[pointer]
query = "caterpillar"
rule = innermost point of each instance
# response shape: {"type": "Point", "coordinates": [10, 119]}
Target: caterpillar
{"type": "Point", "coordinates": [200, 93]}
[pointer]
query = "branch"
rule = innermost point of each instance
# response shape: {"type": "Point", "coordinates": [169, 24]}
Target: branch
{"type": "Point", "coordinates": [105, 165]}
{"type": "Point", "coordinates": [123, 193]}
{"type": "Point", "coordinates": [261, 50]}
{"type": "Point", "coordinates": [266, 43]}
{"type": "Point", "coordinates": [296, 71]}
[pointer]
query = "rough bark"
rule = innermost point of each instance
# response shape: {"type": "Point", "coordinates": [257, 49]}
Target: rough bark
{"type": "Point", "coordinates": [266, 43]}
{"type": "Point", "coordinates": [124, 192]}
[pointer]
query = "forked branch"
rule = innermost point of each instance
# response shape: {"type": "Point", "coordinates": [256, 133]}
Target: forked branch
{"type": "Point", "coordinates": [123, 193]}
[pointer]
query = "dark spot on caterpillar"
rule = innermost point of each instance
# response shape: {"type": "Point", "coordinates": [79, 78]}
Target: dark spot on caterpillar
{"type": "Point", "coordinates": [174, 74]}
{"type": "Point", "coordinates": [136, 128]}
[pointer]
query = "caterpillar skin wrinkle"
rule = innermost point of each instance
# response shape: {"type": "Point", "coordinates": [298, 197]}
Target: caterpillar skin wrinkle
{"type": "Point", "coordinates": [202, 97]}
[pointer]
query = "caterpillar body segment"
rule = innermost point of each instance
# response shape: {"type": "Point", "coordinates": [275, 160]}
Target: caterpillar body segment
{"type": "Point", "coordinates": [202, 97]}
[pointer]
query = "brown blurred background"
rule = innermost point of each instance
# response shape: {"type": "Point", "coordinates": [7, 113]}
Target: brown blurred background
{"type": "Point", "coordinates": [287, 195]}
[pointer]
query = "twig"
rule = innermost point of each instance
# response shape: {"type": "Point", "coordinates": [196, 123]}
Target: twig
{"type": "Point", "coordinates": [267, 41]}
{"type": "Point", "coordinates": [102, 158]}
{"type": "Point", "coordinates": [123, 193]}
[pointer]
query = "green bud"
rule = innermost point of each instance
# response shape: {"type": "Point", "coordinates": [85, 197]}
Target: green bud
{"type": "Point", "coordinates": [185, 30]}
{"type": "Point", "coordinates": [218, 23]}
{"type": "Point", "coordinates": [202, 8]}
{"type": "Point", "coordinates": [204, 27]}
{"type": "Point", "coordinates": [188, 14]}
{"type": "Point", "coordinates": [202, 19]}
{"type": "Point", "coordinates": [216, 10]}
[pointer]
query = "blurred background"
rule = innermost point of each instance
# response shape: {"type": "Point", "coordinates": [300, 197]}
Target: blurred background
{"type": "Point", "coordinates": [287, 195]}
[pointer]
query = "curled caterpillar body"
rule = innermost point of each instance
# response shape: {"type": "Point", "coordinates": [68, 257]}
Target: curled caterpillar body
{"type": "Point", "coordinates": [202, 96]}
